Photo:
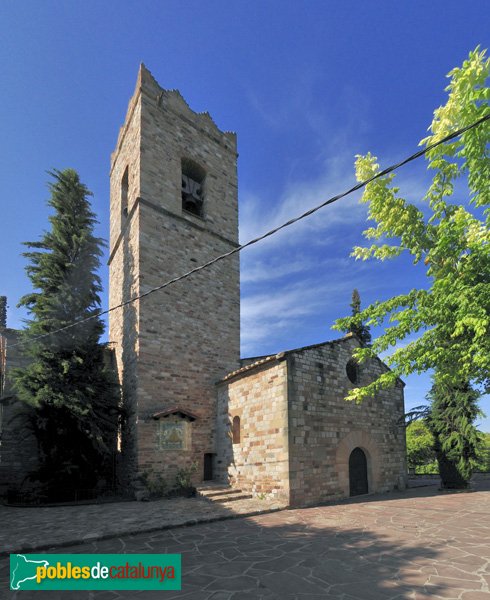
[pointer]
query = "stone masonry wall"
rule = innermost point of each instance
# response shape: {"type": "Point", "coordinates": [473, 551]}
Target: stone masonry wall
{"type": "Point", "coordinates": [260, 462]}
{"type": "Point", "coordinates": [188, 336]}
{"type": "Point", "coordinates": [324, 428]}
{"type": "Point", "coordinates": [172, 131]}
{"type": "Point", "coordinates": [180, 341]}
{"type": "Point", "coordinates": [124, 278]}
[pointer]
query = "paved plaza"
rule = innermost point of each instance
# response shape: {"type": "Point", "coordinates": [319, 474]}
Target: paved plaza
{"type": "Point", "coordinates": [42, 528]}
{"type": "Point", "coordinates": [416, 544]}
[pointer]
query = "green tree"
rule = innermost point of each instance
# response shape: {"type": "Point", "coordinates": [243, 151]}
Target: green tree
{"type": "Point", "coordinates": [421, 456]}
{"type": "Point", "coordinates": [3, 311]}
{"type": "Point", "coordinates": [457, 442]}
{"type": "Point", "coordinates": [358, 327]}
{"type": "Point", "coordinates": [450, 319]}
{"type": "Point", "coordinates": [484, 454]}
{"type": "Point", "coordinates": [72, 392]}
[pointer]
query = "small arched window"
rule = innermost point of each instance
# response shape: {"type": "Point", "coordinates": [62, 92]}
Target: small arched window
{"type": "Point", "coordinates": [236, 430]}
{"type": "Point", "coordinates": [124, 196]}
{"type": "Point", "coordinates": [193, 176]}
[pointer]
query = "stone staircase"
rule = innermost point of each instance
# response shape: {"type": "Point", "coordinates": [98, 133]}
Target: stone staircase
{"type": "Point", "coordinates": [221, 492]}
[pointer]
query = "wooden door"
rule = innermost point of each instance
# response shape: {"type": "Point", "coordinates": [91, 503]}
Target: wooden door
{"type": "Point", "coordinates": [208, 467]}
{"type": "Point", "coordinates": [358, 478]}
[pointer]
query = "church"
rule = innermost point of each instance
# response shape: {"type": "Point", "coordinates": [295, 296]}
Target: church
{"type": "Point", "coordinates": [276, 426]}
{"type": "Point", "coordinates": [272, 426]}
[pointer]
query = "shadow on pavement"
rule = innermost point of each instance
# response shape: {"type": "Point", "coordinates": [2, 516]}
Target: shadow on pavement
{"type": "Point", "coordinates": [417, 544]}
{"type": "Point", "coordinates": [355, 550]}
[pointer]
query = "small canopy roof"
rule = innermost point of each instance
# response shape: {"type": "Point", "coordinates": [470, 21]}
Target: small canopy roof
{"type": "Point", "coordinates": [175, 410]}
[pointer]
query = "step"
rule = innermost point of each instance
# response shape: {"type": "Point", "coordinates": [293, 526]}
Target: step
{"type": "Point", "coordinates": [229, 497]}
{"type": "Point", "coordinates": [212, 486]}
{"type": "Point", "coordinates": [222, 493]}
{"type": "Point", "coordinates": [215, 492]}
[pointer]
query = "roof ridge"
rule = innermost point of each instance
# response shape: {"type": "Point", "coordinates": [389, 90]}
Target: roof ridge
{"type": "Point", "coordinates": [281, 356]}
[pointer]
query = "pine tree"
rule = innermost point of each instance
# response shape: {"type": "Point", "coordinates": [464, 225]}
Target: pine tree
{"type": "Point", "coordinates": [71, 390]}
{"type": "Point", "coordinates": [358, 327]}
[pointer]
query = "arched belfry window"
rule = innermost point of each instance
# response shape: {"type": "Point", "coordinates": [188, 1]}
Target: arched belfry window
{"type": "Point", "coordinates": [124, 196]}
{"type": "Point", "coordinates": [236, 430]}
{"type": "Point", "coordinates": [193, 176]}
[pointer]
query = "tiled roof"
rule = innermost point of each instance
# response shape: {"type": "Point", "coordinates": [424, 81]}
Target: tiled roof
{"type": "Point", "coordinates": [254, 365]}
{"type": "Point", "coordinates": [262, 360]}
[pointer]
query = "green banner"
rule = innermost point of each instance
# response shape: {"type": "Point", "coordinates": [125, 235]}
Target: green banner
{"type": "Point", "coordinates": [95, 571]}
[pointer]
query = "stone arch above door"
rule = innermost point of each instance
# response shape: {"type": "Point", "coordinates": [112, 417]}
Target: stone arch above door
{"type": "Point", "coordinates": [357, 439]}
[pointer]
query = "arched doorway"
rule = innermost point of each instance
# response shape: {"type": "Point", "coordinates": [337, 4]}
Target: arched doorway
{"type": "Point", "coordinates": [358, 476]}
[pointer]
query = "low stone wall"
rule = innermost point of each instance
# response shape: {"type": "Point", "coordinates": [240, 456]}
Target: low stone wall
{"type": "Point", "coordinates": [18, 449]}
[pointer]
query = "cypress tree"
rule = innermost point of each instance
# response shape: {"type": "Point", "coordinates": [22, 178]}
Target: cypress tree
{"type": "Point", "coordinates": [73, 393]}
{"type": "Point", "coordinates": [457, 442]}
{"type": "Point", "coordinates": [358, 327]}
{"type": "Point", "coordinates": [3, 311]}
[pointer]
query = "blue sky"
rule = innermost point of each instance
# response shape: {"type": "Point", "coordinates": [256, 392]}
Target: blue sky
{"type": "Point", "coordinates": [306, 85]}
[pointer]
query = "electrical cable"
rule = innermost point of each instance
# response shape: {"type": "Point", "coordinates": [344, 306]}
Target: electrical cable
{"type": "Point", "coordinates": [269, 233]}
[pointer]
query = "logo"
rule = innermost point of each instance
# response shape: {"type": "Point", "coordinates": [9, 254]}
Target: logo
{"type": "Point", "coordinates": [95, 571]}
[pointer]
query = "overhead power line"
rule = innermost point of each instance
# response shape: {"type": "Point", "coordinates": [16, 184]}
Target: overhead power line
{"type": "Point", "coordinates": [269, 233]}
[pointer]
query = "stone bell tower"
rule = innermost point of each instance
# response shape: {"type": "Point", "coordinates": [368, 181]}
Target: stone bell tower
{"type": "Point", "coordinates": [173, 207]}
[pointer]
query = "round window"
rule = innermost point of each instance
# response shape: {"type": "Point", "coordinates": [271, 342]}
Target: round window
{"type": "Point", "coordinates": [352, 370]}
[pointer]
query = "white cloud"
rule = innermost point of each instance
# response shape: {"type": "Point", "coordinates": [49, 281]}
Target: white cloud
{"type": "Point", "coordinates": [314, 253]}
{"type": "Point", "coordinates": [278, 267]}
{"type": "Point", "coordinates": [275, 309]}
{"type": "Point", "coordinates": [257, 215]}
{"type": "Point", "coordinates": [265, 315]}
{"type": "Point", "coordinates": [260, 271]}
{"type": "Point", "coordinates": [295, 107]}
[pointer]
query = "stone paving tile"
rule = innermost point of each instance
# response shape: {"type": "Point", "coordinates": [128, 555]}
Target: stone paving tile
{"type": "Point", "coordinates": [357, 550]}
{"type": "Point", "coordinates": [28, 529]}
